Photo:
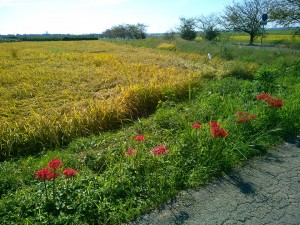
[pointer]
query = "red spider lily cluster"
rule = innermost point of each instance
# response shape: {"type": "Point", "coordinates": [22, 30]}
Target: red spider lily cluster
{"type": "Point", "coordinates": [270, 100]}
{"type": "Point", "coordinates": [245, 116]}
{"type": "Point", "coordinates": [216, 130]}
{"type": "Point", "coordinates": [50, 173]}
{"type": "Point", "coordinates": [196, 126]}
{"type": "Point", "coordinates": [159, 150]}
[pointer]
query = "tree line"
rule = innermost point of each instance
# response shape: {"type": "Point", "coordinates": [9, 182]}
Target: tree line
{"type": "Point", "coordinates": [245, 16]}
{"type": "Point", "coordinates": [126, 31]}
{"type": "Point", "coordinates": [47, 37]}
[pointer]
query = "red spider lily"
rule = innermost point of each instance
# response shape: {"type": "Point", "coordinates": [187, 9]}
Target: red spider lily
{"type": "Point", "coordinates": [42, 174]}
{"type": "Point", "coordinates": [140, 138]}
{"type": "Point", "coordinates": [243, 119]}
{"type": "Point", "coordinates": [216, 130]}
{"type": "Point", "coordinates": [273, 102]}
{"type": "Point", "coordinates": [240, 113]}
{"type": "Point", "coordinates": [52, 175]}
{"type": "Point", "coordinates": [214, 124]}
{"type": "Point", "coordinates": [196, 126]}
{"type": "Point", "coordinates": [244, 116]}
{"type": "Point", "coordinates": [69, 172]}
{"type": "Point", "coordinates": [264, 96]}
{"type": "Point", "coordinates": [46, 174]}
{"type": "Point", "coordinates": [55, 164]}
{"type": "Point", "coordinates": [130, 152]}
{"type": "Point", "coordinates": [159, 150]}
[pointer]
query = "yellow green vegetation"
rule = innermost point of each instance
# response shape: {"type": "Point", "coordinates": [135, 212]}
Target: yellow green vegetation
{"type": "Point", "coordinates": [271, 39]}
{"type": "Point", "coordinates": [51, 92]}
{"type": "Point", "coordinates": [167, 46]}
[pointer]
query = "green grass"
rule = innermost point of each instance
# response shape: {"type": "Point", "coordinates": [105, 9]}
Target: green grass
{"type": "Point", "coordinates": [226, 49]}
{"type": "Point", "coordinates": [111, 188]}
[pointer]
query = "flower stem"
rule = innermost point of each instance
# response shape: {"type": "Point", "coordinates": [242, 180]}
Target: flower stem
{"type": "Point", "coordinates": [54, 188]}
{"type": "Point", "coordinates": [46, 191]}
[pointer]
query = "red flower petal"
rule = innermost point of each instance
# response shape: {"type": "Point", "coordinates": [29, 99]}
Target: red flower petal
{"type": "Point", "coordinates": [214, 124]}
{"type": "Point", "coordinates": [196, 126]}
{"type": "Point", "coordinates": [140, 138]}
{"type": "Point", "coordinates": [273, 102]}
{"type": "Point", "coordinates": [69, 172]}
{"type": "Point", "coordinates": [55, 164]}
{"type": "Point", "coordinates": [46, 174]}
{"type": "Point", "coordinates": [159, 150]}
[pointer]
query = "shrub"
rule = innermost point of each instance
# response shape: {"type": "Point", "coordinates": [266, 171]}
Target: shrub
{"type": "Point", "coordinates": [265, 79]}
{"type": "Point", "coordinates": [170, 35]}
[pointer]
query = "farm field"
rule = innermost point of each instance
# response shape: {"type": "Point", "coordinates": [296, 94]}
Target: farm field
{"type": "Point", "coordinates": [279, 40]}
{"type": "Point", "coordinates": [52, 92]}
{"type": "Point", "coordinates": [99, 132]}
{"type": "Point", "coordinates": [273, 51]}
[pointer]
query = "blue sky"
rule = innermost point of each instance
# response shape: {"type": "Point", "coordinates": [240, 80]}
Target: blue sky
{"type": "Point", "coordinates": [94, 16]}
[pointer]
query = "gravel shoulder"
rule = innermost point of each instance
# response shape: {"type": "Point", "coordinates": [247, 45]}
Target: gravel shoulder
{"type": "Point", "coordinates": [265, 191]}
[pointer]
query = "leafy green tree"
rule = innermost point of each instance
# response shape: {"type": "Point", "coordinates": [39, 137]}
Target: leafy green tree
{"type": "Point", "coordinates": [107, 33]}
{"type": "Point", "coordinates": [208, 26]}
{"type": "Point", "coordinates": [119, 31]}
{"type": "Point", "coordinates": [129, 31]}
{"type": "Point", "coordinates": [285, 12]}
{"type": "Point", "coordinates": [187, 29]}
{"type": "Point", "coordinates": [137, 31]}
{"type": "Point", "coordinates": [245, 16]}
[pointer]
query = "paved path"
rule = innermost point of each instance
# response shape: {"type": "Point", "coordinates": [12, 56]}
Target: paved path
{"type": "Point", "coordinates": [265, 191]}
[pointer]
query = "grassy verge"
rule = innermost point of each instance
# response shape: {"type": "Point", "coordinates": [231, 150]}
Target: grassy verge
{"type": "Point", "coordinates": [182, 145]}
{"type": "Point", "coordinates": [227, 49]}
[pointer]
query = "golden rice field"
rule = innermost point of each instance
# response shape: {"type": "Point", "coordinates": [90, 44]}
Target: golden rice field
{"type": "Point", "coordinates": [51, 92]}
{"type": "Point", "coordinates": [278, 38]}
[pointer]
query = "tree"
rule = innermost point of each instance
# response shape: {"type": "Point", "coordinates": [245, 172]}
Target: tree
{"type": "Point", "coordinates": [170, 35]}
{"type": "Point", "coordinates": [129, 31]}
{"type": "Point", "coordinates": [208, 26]}
{"type": "Point", "coordinates": [285, 12]}
{"type": "Point", "coordinates": [119, 31]}
{"type": "Point", "coordinates": [187, 29]}
{"type": "Point", "coordinates": [107, 33]}
{"type": "Point", "coordinates": [137, 31]}
{"type": "Point", "coordinates": [245, 16]}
